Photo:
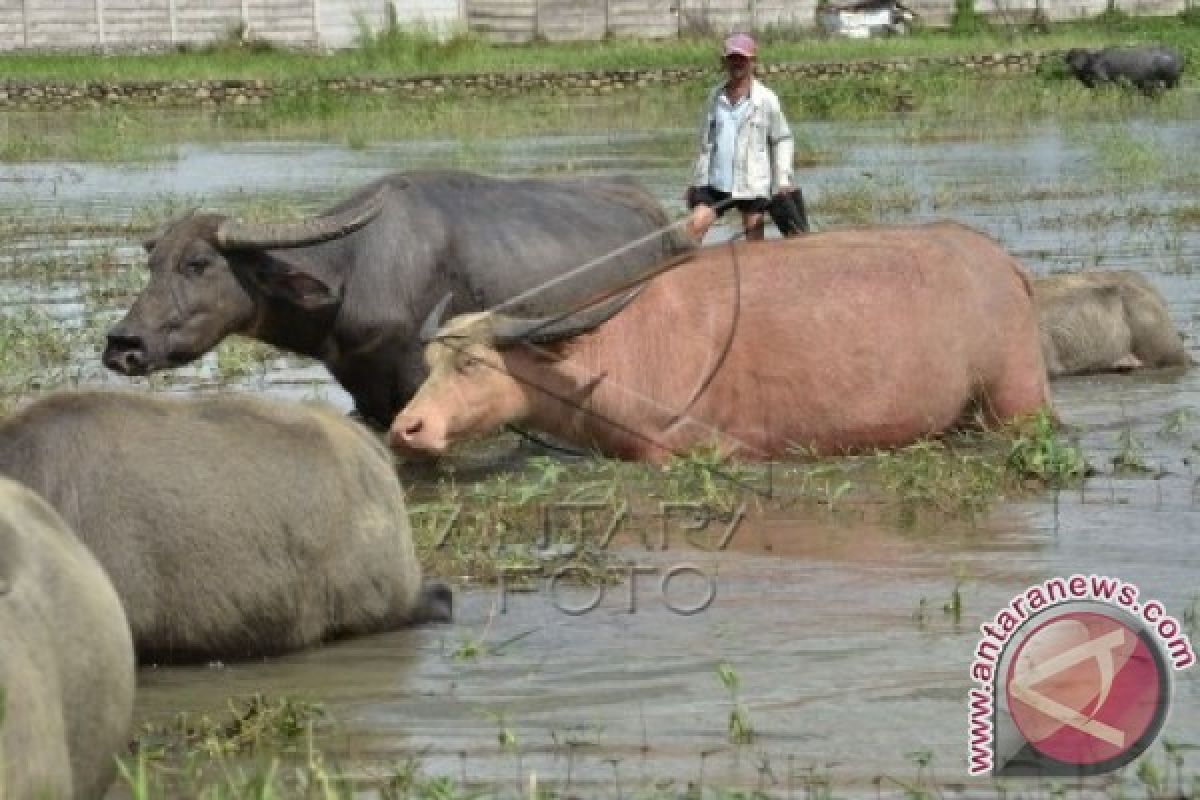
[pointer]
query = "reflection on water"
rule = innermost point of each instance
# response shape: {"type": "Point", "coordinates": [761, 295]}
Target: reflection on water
{"type": "Point", "coordinates": [834, 623]}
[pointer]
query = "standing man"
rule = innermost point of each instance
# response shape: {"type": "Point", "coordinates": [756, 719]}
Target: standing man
{"type": "Point", "coordinates": [745, 147]}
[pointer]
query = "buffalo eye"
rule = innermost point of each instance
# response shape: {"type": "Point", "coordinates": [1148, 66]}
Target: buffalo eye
{"type": "Point", "coordinates": [469, 365]}
{"type": "Point", "coordinates": [196, 265]}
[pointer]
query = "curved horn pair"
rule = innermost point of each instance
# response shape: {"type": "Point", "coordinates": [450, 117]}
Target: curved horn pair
{"type": "Point", "coordinates": [235, 235]}
{"type": "Point", "coordinates": [508, 330]}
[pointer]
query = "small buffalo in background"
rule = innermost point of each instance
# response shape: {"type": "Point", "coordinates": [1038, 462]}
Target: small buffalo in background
{"type": "Point", "coordinates": [231, 526]}
{"type": "Point", "coordinates": [1148, 68]}
{"type": "Point", "coordinates": [66, 659]}
{"type": "Point", "coordinates": [1104, 322]}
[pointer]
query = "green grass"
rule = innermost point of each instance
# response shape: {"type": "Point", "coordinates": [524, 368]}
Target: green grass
{"type": "Point", "coordinates": [976, 105]}
{"type": "Point", "coordinates": [979, 105]}
{"type": "Point", "coordinates": [239, 358]}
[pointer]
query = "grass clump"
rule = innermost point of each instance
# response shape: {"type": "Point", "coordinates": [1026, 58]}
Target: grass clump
{"type": "Point", "coordinates": [239, 358]}
{"type": "Point", "coordinates": [947, 476]}
{"type": "Point", "coordinates": [252, 724]}
{"type": "Point", "coordinates": [964, 475]}
{"type": "Point", "coordinates": [1040, 454]}
{"type": "Point", "coordinates": [705, 478]}
{"type": "Point", "coordinates": [242, 753]}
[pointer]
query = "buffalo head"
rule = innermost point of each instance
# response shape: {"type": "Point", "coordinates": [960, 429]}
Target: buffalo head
{"type": "Point", "coordinates": [474, 385]}
{"type": "Point", "coordinates": [1079, 61]}
{"type": "Point", "coordinates": [211, 275]}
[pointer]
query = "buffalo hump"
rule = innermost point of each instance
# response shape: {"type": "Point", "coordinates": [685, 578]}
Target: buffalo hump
{"type": "Point", "coordinates": [66, 660]}
{"type": "Point", "coordinates": [231, 526]}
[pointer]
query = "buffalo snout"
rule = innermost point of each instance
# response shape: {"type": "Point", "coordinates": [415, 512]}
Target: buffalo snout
{"type": "Point", "coordinates": [413, 433]}
{"type": "Point", "coordinates": [126, 353]}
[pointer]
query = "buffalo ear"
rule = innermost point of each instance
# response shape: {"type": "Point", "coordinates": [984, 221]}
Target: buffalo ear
{"type": "Point", "coordinates": [297, 284]}
{"type": "Point", "coordinates": [149, 244]}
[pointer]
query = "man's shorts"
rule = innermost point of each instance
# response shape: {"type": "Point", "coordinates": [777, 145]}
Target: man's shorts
{"type": "Point", "coordinates": [707, 195]}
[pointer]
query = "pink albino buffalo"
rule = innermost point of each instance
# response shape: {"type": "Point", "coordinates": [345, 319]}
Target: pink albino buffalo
{"type": "Point", "coordinates": [833, 342]}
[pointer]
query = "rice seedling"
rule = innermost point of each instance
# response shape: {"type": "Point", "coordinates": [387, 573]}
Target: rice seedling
{"type": "Point", "coordinates": [740, 729]}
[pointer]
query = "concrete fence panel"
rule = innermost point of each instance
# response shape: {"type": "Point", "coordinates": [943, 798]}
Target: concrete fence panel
{"type": "Point", "coordinates": [113, 25]}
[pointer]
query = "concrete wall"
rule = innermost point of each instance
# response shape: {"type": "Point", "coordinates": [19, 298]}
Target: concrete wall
{"type": "Point", "coordinates": [939, 12]}
{"type": "Point", "coordinates": [155, 24]}
{"type": "Point", "coordinates": [341, 22]}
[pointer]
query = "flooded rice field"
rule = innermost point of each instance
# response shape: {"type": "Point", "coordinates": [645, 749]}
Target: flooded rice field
{"type": "Point", "coordinates": [840, 634]}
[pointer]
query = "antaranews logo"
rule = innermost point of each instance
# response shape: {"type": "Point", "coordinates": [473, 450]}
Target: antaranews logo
{"type": "Point", "coordinates": [1074, 679]}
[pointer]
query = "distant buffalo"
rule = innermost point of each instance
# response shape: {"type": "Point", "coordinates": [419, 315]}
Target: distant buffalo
{"type": "Point", "coordinates": [830, 342]}
{"type": "Point", "coordinates": [66, 659]}
{"type": "Point", "coordinates": [1105, 322]}
{"type": "Point", "coordinates": [350, 287]}
{"type": "Point", "coordinates": [1148, 68]}
{"type": "Point", "coordinates": [231, 526]}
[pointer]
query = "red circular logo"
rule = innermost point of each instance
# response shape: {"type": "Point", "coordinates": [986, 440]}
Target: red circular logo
{"type": "Point", "coordinates": [1085, 689]}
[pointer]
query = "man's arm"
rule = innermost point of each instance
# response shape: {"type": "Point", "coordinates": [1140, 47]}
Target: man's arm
{"type": "Point", "coordinates": [779, 137]}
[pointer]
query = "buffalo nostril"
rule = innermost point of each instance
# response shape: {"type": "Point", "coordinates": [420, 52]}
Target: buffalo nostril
{"type": "Point", "coordinates": [125, 341]}
{"type": "Point", "coordinates": [404, 429]}
{"type": "Point", "coordinates": [134, 362]}
{"type": "Point", "coordinates": [126, 354]}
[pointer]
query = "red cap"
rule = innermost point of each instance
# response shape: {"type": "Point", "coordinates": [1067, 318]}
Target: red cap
{"type": "Point", "coordinates": [740, 44]}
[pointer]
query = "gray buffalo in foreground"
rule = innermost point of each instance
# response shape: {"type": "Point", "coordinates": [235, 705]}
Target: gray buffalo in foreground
{"type": "Point", "coordinates": [1105, 322]}
{"type": "Point", "coordinates": [1148, 68]}
{"type": "Point", "coordinates": [831, 342]}
{"type": "Point", "coordinates": [231, 526]}
{"type": "Point", "coordinates": [351, 287]}
{"type": "Point", "coordinates": [66, 659]}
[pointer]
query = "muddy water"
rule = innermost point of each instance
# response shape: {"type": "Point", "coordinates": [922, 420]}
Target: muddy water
{"type": "Point", "coordinates": [833, 622]}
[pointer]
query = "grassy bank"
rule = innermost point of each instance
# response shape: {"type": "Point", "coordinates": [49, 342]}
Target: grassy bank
{"type": "Point", "coordinates": [403, 54]}
{"type": "Point", "coordinates": [932, 93]}
{"type": "Point", "coordinates": [932, 100]}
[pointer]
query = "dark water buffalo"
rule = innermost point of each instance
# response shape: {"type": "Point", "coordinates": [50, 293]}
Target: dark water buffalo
{"type": "Point", "coordinates": [1148, 68]}
{"type": "Point", "coordinates": [1104, 322]}
{"type": "Point", "coordinates": [830, 342]}
{"type": "Point", "coordinates": [350, 288]}
{"type": "Point", "coordinates": [66, 659]}
{"type": "Point", "coordinates": [231, 527]}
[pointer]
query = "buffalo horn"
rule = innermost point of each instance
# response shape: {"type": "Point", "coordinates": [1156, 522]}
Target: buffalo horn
{"type": "Point", "coordinates": [508, 330]}
{"type": "Point", "coordinates": [433, 322]}
{"type": "Point", "coordinates": [235, 235]}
